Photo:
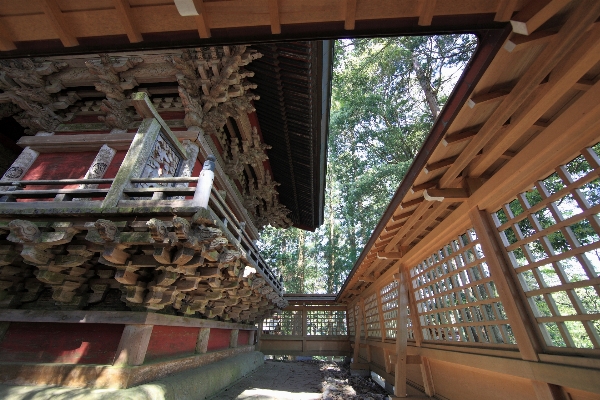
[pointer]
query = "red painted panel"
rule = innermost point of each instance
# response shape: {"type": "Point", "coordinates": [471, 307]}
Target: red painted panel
{"type": "Point", "coordinates": [219, 339]}
{"type": "Point", "coordinates": [58, 166]}
{"type": "Point", "coordinates": [170, 341]}
{"type": "Point", "coordinates": [61, 343]}
{"type": "Point", "coordinates": [243, 337]}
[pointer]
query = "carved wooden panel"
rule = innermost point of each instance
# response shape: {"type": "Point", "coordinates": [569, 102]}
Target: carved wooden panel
{"type": "Point", "coordinates": [163, 162]}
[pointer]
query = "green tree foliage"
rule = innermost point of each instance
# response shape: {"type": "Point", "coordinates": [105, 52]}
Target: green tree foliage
{"type": "Point", "coordinates": [386, 95]}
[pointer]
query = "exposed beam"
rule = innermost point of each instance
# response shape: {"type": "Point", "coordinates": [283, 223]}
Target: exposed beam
{"type": "Point", "coordinates": [520, 42]}
{"type": "Point", "coordinates": [453, 195]}
{"type": "Point", "coordinates": [274, 17]}
{"type": "Point", "coordinates": [438, 165]}
{"type": "Point", "coordinates": [586, 13]}
{"type": "Point", "coordinates": [350, 20]}
{"type": "Point", "coordinates": [505, 10]}
{"type": "Point", "coordinates": [458, 137]}
{"type": "Point", "coordinates": [418, 213]}
{"type": "Point", "coordinates": [6, 43]}
{"type": "Point", "coordinates": [423, 225]}
{"type": "Point", "coordinates": [478, 99]}
{"type": "Point", "coordinates": [583, 84]}
{"type": "Point", "coordinates": [426, 10]}
{"type": "Point", "coordinates": [563, 78]}
{"type": "Point", "coordinates": [202, 20]}
{"type": "Point", "coordinates": [366, 278]}
{"type": "Point", "coordinates": [535, 13]}
{"type": "Point", "coordinates": [392, 255]}
{"type": "Point", "coordinates": [124, 13]}
{"type": "Point", "coordinates": [58, 22]}
{"type": "Point", "coordinates": [425, 185]}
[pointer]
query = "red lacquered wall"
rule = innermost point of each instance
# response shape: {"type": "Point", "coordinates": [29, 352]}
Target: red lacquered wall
{"type": "Point", "coordinates": [219, 339]}
{"type": "Point", "coordinates": [171, 341]}
{"type": "Point", "coordinates": [61, 343]}
{"type": "Point", "coordinates": [243, 337]}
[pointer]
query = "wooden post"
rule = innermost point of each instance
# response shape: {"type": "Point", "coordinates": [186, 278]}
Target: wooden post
{"type": "Point", "coordinates": [259, 335]}
{"type": "Point", "coordinates": [202, 341]}
{"type": "Point", "coordinates": [205, 182]}
{"type": "Point", "coordinates": [508, 291]}
{"type": "Point", "coordinates": [134, 161]}
{"type": "Point", "coordinates": [418, 334]}
{"type": "Point", "coordinates": [133, 345]}
{"type": "Point", "coordinates": [304, 328]}
{"type": "Point", "coordinates": [233, 340]}
{"type": "Point", "coordinates": [401, 336]}
{"type": "Point", "coordinates": [357, 328]}
{"type": "Point", "coordinates": [251, 337]}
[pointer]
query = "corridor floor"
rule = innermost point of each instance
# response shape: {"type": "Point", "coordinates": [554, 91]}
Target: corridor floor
{"type": "Point", "coordinates": [277, 380]}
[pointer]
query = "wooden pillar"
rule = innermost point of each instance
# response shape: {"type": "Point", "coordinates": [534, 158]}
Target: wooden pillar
{"type": "Point", "coordinates": [133, 345]}
{"type": "Point", "coordinates": [508, 291]}
{"type": "Point", "coordinates": [134, 160]}
{"type": "Point", "coordinates": [304, 328]}
{"type": "Point", "coordinates": [357, 328]}
{"type": "Point", "coordinates": [401, 335]}
{"type": "Point", "coordinates": [234, 338]}
{"type": "Point", "coordinates": [251, 337]}
{"type": "Point", "coordinates": [510, 294]}
{"type": "Point", "coordinates": [259, 335]}
{"type": "Point", "coordinates": [202, 341]}
{"type": "Point", "coordinates": [205, 182]}
{"type": "Point", "coordinates": [418, 334]}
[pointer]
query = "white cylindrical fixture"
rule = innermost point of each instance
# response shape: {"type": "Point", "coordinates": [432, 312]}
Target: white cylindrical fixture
{"type": "Point", "coordinates": [205, 182]}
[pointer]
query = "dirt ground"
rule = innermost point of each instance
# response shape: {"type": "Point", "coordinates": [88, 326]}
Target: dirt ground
{"type": "Point", "coordinates": [303, 380]}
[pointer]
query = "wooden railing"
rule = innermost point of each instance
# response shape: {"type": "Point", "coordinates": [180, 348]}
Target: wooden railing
{"type": "Point", "coordinates": [316, 330]}
{"type": "Point", "coordinates": [124, 198]}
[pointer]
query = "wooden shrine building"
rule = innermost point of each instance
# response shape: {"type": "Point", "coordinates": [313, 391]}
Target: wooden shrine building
{"type": "Point", "coordinates": [124, 263]}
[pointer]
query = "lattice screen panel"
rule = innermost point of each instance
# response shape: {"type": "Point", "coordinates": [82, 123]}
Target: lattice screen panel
{"type": "Point", "coordinates": [351, 323]}
{"type": "Point", "coordinates": [320, 322]}
{"type": "Point", "coordinates": [389, 307]}
{"type": "Point", "coordinates": [284, 323]}
{"type": "Point", "coordinates": [456, 297]}
{"type": "Point", "coordinates": [552, 236]}
{"type": "Point", "coordinates": [372, 316]}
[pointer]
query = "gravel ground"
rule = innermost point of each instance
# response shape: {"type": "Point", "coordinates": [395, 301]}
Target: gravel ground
{"type": "Point", "coordinates": [339, 385]}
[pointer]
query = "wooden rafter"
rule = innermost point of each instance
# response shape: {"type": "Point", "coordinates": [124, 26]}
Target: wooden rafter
{"type": "Point", "coordinates": [124, 12]}
{"type": "Point", "coordinates": [55, 15]}
{"type": "Point", "coordinates": [426, 11]}
{"type": "Point", "coordinates": [274, 17]}
{"type": "Point", "coordinates": [434, 167]}
{"type": "Point", "coordinates": [202, 20]}
{"type": "Point", "coordinates": [535, 13]}
{"type": "Point", "coordinates": [505, 10]}
{"type": "Point", "coordinates": [6, 43]}
{"type": "Point", "coordinates": [583, 16]}
{"type": "Point", "coordinates": [564, 77]}
{"type": "Point", "coordinates": [520, 42]}
{"type": "Point", "coordinates": [488, 97]}
{"type": "Point", "coordinates": [350, 15]}
{"type": "Point", "coordinates": [458, 137]}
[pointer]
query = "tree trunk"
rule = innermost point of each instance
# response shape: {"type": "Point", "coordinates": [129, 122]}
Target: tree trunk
{"type": "Point", "coordinates": [426, 87]}
{"type": "Point", "coordinates": [300, 267]}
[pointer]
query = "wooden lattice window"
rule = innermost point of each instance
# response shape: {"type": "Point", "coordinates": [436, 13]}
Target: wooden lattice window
{"type": "Point", "coordinates": [322, 322]}
{"type": "Point", "coordinates": [552, 238]}
{"type": "Point", "coordinates": [389, 308]}
{"type": "Point", "coordinates": [456, 297]}
{"type": "Point", "coordinates": [372, 316]}
{"type": "Point", "coordinates": [284, 323]}
{"type": "Point", "coordinates": [351, 323]}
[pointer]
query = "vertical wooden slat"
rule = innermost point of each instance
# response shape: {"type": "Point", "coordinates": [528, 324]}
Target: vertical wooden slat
{"type": "Point", "coordinates": [357, 322]}
{"type": "Point", "coordinates": [401, 335]}
{"type": "Point", "coordinates": [518, 317]}
{"type": "Point", "coordinates": [380, 311]}
{"type": "Point", "coordinates": [304, 328]}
